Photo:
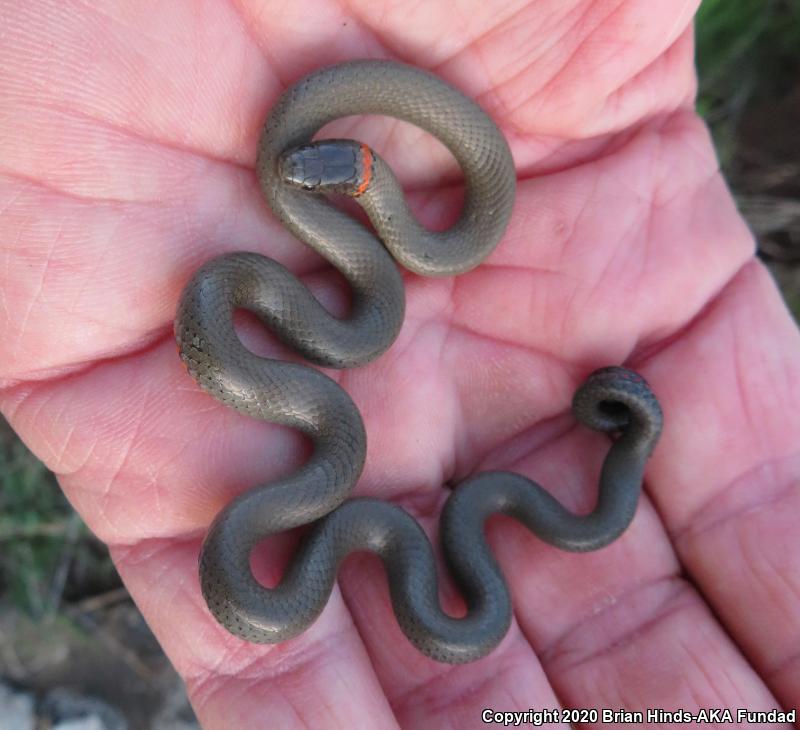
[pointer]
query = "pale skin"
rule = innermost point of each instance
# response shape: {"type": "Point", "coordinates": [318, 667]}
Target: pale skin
{"type": "Point", "coordinates": [127, 138]}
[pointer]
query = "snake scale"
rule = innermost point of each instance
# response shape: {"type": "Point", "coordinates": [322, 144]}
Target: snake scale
{"type": "Point", "coordinates": [293, 172]}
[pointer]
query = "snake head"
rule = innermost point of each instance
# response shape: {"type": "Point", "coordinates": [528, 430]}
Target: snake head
{"type": "Point", "coordinates": [328, 166]}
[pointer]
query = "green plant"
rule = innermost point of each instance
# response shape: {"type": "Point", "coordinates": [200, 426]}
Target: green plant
{"type": "Point", "coordinates": [41, 536]}
{"type": "Point", "coordinates": [746, 50]}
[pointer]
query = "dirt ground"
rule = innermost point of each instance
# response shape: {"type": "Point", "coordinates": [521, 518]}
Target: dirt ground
{"type": "Point", "coordinates": [765, 177]}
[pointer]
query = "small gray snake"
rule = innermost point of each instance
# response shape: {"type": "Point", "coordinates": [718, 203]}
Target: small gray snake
{"type": "Point", "coordinates": [292, 172]}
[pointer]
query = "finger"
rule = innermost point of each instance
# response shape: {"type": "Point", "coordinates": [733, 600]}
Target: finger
{"type": "Point", "coordinates": [144, 454]}
{"type": "Point", "coordinates": [322, 679]}
{"type": "Point", "coordinates": [423, 692]}
{"type": "Point", "coordinates": [549, 68]}
{"type": "Point", "coordinates": [112, 270]}
{"type": "Point", "coordinates": [176, 76]}
{"type": "Point", "coordinates": [116, 174]}
{"type": "Point", "coordinates": [620, 627]}
{"type": "Point", "coordinates": [729, 469]}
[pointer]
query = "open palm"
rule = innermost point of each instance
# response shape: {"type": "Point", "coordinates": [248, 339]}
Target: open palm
{"type": "Point", "coordinates": [128, 137]}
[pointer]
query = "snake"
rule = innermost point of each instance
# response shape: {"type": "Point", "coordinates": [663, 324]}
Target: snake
{"type": "Point", "coordinates": [297, 176]}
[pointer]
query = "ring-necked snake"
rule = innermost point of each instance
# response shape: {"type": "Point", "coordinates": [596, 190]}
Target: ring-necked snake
{"type": "Point", "coordinates": [292, 171]}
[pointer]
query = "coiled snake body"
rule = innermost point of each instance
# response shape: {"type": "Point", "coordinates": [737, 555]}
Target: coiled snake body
{"type": "Point", "coordinates": [613, 399]}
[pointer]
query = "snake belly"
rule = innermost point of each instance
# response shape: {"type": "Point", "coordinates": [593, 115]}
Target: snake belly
{"type": "Point", "coordinates": [291, 169]}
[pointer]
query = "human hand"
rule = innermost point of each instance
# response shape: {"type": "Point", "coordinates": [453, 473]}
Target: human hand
{"type": "Point", "coordinates": [129, 134]}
